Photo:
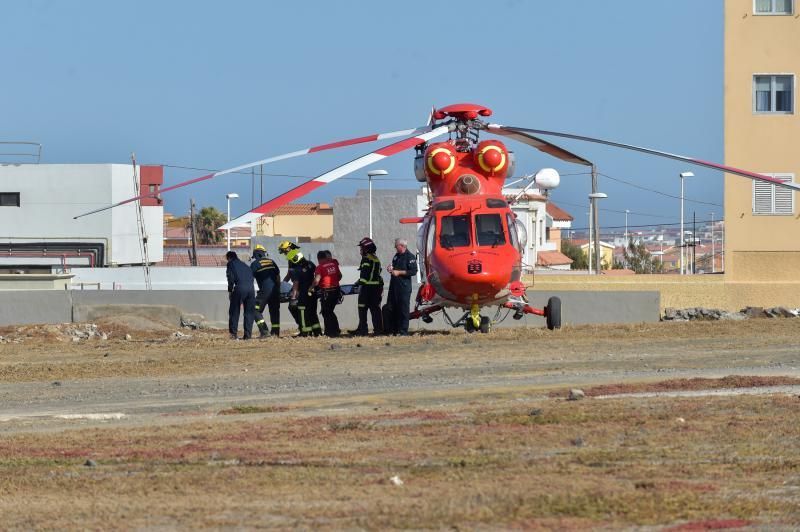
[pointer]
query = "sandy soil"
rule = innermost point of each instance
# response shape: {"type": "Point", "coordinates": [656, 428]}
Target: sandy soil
{"type": "Point", "coordinates": [308, 432]}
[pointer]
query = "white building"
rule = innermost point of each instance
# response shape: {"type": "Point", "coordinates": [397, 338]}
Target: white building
{"type": "Point", "coordinates": [38, 203]}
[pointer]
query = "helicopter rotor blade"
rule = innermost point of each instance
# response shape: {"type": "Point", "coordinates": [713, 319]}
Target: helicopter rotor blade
{"type": "Point", "coordinates": [335, 174]}
{"type": "Point", "coordinates": [290, 155]}
{"type": "Point", "coordinates": [691, 160]}
{"type": "Point", "coordinates": [540, 144]}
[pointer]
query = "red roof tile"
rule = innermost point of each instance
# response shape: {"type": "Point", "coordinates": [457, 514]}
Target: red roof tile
{"type": "Point", "coordinates": [558, 214]}
{"type": "Point", "coordinates": [552, 258]}
{"type": "Point", "coordinates": [301, 209]}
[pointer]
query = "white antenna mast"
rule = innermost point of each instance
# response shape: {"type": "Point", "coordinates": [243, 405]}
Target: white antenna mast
{"type": "Point", "coordinates": [148, 285]}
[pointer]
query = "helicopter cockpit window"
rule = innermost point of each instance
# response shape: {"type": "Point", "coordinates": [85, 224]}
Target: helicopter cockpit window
{"type": "Point", "coordinates": [454, 232]}
{"type": "Point", "coordinates": [489, 228]}
{"type": "Point", "coordinates": [494, 203]}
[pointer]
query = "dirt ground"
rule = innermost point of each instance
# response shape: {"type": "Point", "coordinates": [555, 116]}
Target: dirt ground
{"type": "Point", "coordinates": [438, 430]}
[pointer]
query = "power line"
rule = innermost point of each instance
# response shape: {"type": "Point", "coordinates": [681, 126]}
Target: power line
{"type": "Point", "coordinates": [619, 212]}
{"type": "Point", "coordinates": [659, 192]}
{"type": "Point", "coordinates": [196, 169]}
{"type": "Point", "coordinates": [639, 226]}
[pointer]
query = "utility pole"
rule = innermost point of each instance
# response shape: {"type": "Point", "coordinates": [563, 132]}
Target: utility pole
{"type": "Point", "coordinates": [194, 232]}
{"type": "Point", "coordinates": [252, 188]}
{"type": "Point", "coordinates": [261, 174]}
{"type": "Point", "coordinates": [589, 240]}
{"type": "Point", "coordinates": [722, 242]}
{"type": "Point", "coordinates": [596, 227]}
{"type": "Point", "coordinates": [694, 242]}
{"type": "Point", "coordinates": [683, 176]}
{"type": "Point", "coordinates": [713, 247]}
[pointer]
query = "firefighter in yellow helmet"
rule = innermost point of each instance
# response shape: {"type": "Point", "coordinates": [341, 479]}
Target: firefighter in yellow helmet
{"type": "Point", "coordinates": [301, 272]}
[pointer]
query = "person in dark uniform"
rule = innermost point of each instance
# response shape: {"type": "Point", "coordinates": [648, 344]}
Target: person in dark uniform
{"type": "Point", "coordinates": [303, 278]}
{"type": "Point", "coordinates": [402, 270]}
{"type": "Point", "coordinates": [370, 291]}
{"type": "Point", "coordinates": [291, 276]}
{"type": "Point", "coordinates": [241, 294]}
{"type": "Point", "coordinates": [326, 278]}
{"type": "Point", "coordinates": [267, 277]}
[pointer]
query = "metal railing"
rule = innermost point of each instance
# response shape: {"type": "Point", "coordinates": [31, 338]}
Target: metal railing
{"type": "Point", "coordinates": [20, 151]}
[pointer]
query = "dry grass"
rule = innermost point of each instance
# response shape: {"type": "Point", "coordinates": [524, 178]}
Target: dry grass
{"type": "Point", "coordinates": [693, 384]}
{"type": "Point", "coordinates": [552, 464]}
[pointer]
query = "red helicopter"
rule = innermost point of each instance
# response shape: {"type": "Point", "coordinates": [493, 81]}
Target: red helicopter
{"type": "Point", "coordinates": [469, 238]}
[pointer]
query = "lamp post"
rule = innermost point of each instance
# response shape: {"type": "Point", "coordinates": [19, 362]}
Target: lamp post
{"type": "Point", "coordinates": [593, 197]}
{"type": "Point", "coordinates": [626, 226]}
{"type": "Point", "coordinates": [684, 175]}
{"type": "Point", "coordinates": [229, 197]}
{"type": "Point", "coordinates": [370, 175]}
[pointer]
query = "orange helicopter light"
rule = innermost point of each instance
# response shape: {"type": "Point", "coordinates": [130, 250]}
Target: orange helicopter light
{"type": "Point", "coordinates": [491, 158]}
{"type": "Point", "coordinates": [441, 161]}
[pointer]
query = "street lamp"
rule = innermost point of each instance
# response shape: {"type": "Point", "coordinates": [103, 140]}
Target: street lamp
{"type": "Point", "coordinates": [229, 197]}
{"type": "Point", "coordinates": [593, 197]}
{"type": "Point", "coordinates": [370, 175]}
{"type": "Point", "coordinates": [626, 226]}
{"type": "Point", "coordinates": [684, 175]}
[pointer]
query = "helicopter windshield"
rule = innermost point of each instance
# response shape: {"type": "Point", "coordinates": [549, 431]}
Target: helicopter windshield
{"type": "Point", "coordinates": [454, 231]}
{"type": "Point", "coordinates": [489, 228]}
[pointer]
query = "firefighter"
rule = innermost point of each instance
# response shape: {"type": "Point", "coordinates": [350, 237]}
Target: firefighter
{"type": "Point", "coordinates": [267, 277]}
{"type": "Point", "coordinates": [291, 276]}
{"type": "Point", "coordinates": [370, 289]}
{"type": "Point", "coordinates": [326, 278]}
{"type": "Point", "coordinates": [402, 270]}
{"type": "Point", "coordinates": [241, 294]}
{"type": "Point", "coordinates": [303, 278]}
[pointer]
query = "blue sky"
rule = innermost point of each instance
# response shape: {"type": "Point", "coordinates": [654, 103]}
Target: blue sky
{"type": "Point", "coordinates": [216, 84]}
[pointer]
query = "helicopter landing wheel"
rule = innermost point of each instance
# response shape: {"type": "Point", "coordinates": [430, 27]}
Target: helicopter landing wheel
{"type": "Point", "coordinates": [553, 313]}
{"type": "Point", "coordinates": [469, 326]}
{"type": "Point", "coordinates": [486, 324]}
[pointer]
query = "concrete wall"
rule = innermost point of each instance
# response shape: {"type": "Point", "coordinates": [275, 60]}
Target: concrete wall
{"type": "Point", "coordinates": [351, 223]}
{"type": "Point", "coordinates": [759, 247]}
{"type": "Point", "coordinates": [22, 307]}
{"type": "Point", "coordinates": [37, 306]}
{"type": "Point", "coordinates": [714, 291]}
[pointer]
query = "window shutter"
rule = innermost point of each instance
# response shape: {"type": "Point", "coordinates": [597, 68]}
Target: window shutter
{"type": "Point", "coordinates": [783, 197]}
{"type": "Point", "coordinates": [762, 197]}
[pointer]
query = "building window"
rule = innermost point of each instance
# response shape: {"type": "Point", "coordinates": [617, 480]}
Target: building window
{"type": "Point", "coordinates": [771, 199]}
{"type": "Point", "coordinates": [773, 7]}
{"type": "Point", "coordinates": [9, 199]}
{"type": "Point", "coordinates": [773, 94]}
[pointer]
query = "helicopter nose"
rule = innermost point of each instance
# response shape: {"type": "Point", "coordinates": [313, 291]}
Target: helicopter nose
{"type": "Point", "coordinates": [474, 274]}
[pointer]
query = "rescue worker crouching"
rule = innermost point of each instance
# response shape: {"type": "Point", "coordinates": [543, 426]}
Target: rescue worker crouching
{"type": "Point", "coordinates": [241, 294]}
{"type": "Point", "coordinates": [370, 289]}
{"type": "Point", "coordinates": [267, 277]}
{"type": "Point", "coordinates": [326, 277]}
{"type": "Point", "coordinates": [301, 272]}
